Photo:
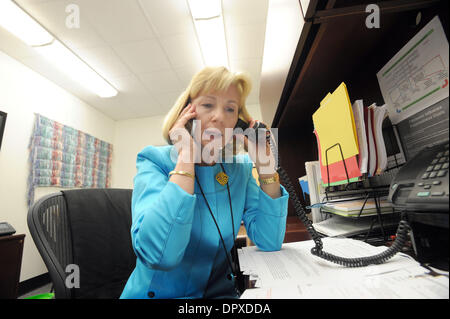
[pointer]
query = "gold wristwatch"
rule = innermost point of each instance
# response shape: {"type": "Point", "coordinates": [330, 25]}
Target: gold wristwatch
{"type": "Point", "coordinates": [270, 180]}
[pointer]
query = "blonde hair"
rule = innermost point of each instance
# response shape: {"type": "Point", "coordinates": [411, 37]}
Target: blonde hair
{"type": "Point", "coordinates": [207, 80]}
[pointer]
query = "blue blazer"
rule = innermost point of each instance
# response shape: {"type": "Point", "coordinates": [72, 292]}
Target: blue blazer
{"type": "Point", "coordinates": [174, 237]}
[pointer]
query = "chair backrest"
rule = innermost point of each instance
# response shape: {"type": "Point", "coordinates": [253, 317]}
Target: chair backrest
{"type": "Point", "coordinates": [89, 231]}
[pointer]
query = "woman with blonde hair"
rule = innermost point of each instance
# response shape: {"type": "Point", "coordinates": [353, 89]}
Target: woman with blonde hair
{"type": "Point", "coordinates": [188, 204]}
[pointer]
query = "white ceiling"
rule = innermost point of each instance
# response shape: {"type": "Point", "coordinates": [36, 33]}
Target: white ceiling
{"type": "Point", "coordinates": [147, 49]}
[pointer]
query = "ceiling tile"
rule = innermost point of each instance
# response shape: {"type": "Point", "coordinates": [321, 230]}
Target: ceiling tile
{"type": "Point", "coordinates": [239, 12]}
{"type": "Point", "coordinates": [186, 73]}
{"type": "Point", "coordinates": [143, 56]}
{"type": "Point", "coordinates": [245, 41]}
{"type": "Point", "coordinates": [253, 97]}
{"type": "Point", "coordinates": [129, 84]}
{"type": "Point", "coordinates": [167, 100]}
{"type": "Point", "coordinates": [104, 60]}
{"type": "Point", "coordinates": [253, 68]}
{"type": "Point", "coordinates": [182, 49]}
{"type": "Point", "coordinates": [178, 21]}
{"type": "Point", "coordinates": [117, 21]}
{"type": "Point", "coordinates": [134, 95]}
{"type": "Point", "coordinates": [250, 66]}
{"type": "Point", "coordinates": [161, 81]}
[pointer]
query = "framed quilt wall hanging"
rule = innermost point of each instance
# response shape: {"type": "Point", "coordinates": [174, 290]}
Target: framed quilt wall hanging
{"type": "Point", "coordinates": [61, 156]}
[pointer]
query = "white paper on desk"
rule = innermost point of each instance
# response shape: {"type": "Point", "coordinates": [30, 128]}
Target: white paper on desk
{"type": "Point", "coordinates": [396, 285]}
{"type": "Point", "coordinates": [384, 287]}
{"type": "Point", "coordinates": [246, 262]}
{"type": "Point", "coordinates": [294, 263]}
{"type": "Point", "coordinates": [287, 292]}
{"type": "Point", "coordinates": [294, 273]}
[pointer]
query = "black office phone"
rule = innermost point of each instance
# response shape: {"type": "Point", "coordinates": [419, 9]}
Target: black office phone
{"type": "Point", "coordinates": [422, 183]}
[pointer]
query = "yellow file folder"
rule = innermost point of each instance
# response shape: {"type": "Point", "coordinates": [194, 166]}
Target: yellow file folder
{"type": "Point", "coordinates": [334, 123]}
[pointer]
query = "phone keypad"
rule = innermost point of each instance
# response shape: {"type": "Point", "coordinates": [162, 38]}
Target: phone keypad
{"type": "Point", "coordinates": [438, 168]}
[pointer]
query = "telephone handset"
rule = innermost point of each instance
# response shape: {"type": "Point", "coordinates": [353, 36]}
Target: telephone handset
{"type": "Point", "coordinates": [188, 125]}
{"type": "Point", "coordinates": [257, 126]}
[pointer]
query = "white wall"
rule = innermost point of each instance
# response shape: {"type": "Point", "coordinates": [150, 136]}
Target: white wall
{"type": "Point", "coordinates": [131, 136]}
{"type": "Point", "coordinates": [283, 28]}
{"type": "Point", "coordinates": [23, 93]}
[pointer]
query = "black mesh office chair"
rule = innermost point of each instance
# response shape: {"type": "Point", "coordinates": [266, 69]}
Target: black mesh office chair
{"type": "Point", "coordinates": [89, 228]}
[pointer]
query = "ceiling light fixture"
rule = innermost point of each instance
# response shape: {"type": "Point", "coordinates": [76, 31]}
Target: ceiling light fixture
{"type": "Point", "coordinates": [23, 26]}
{"type": "Point", "coordinates": [208, 21]}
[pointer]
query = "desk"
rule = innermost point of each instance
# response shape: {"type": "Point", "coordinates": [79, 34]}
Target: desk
{"type": "Point", "coordinates": [11, 249]}
{"type": "Point", "coordinates": [295, 231]}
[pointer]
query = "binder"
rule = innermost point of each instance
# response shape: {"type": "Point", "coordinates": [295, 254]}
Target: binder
{"type": "Point", "coordinates": [379, 114]}
{"type": "Point", "coordinates": [336, 135]}
{"type": "Point", "coordinates": [334, 123]}
{"type": "Point", "coordinates": [358, 114]}
{"type": "Point", "coordinates": [370, 141]}
{"type": "Point", "coordinates": [377, 147]}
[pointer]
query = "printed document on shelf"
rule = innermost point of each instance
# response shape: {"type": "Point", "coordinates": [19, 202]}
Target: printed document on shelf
{"type": "Point", "coordinates": [418, 75]}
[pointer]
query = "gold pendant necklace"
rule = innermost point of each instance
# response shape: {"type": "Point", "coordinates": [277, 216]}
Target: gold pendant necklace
{"type": "Point", "coordinates": [222, 178]}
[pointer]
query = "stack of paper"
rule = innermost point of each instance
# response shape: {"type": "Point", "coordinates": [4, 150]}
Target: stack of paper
{"type": "Point", "coordinates": [376, 149]}
{"type": "Point", "coordinates": [343, 226]}
{"type": "Point", "coordinates": [293, 272]}
{"type": "Point", "coordinates": [352, 208]}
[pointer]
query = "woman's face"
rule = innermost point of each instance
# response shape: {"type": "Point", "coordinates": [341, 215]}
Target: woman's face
{"type": "Point", "coordinates": [216, 111]}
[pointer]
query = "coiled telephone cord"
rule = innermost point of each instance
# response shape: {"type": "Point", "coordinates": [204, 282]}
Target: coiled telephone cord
{"type": "Point", "coordinates": [397, 245]}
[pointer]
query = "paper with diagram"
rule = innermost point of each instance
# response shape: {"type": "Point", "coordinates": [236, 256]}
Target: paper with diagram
{"type": "Point", "coordinates": [418, 75]}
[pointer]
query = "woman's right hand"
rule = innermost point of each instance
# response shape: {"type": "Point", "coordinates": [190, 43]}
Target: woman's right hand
{"type": "Point", "coordinates": [181, 138]}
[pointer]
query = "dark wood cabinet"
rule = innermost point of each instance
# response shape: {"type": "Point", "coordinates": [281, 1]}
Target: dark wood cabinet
{"type": "Point", "coordinates": [11, 251]}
